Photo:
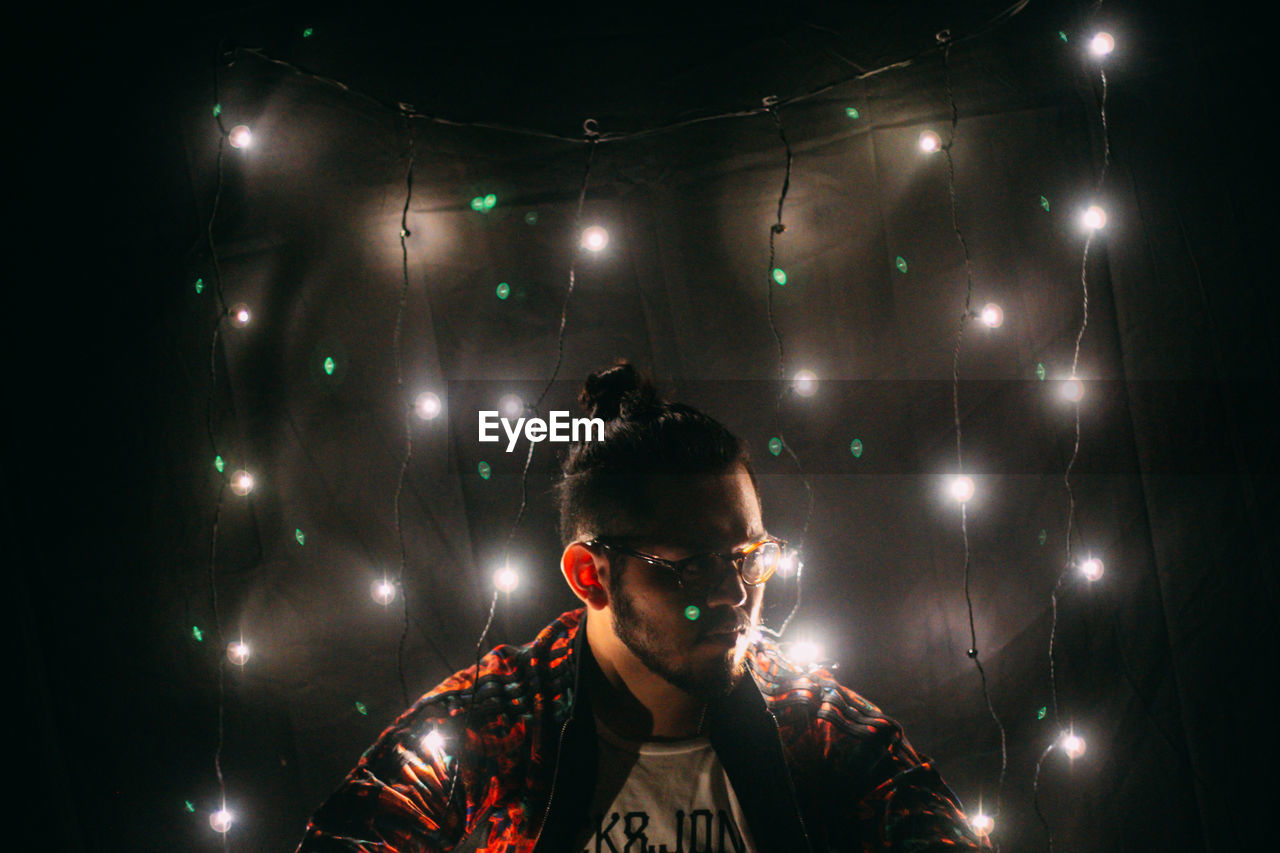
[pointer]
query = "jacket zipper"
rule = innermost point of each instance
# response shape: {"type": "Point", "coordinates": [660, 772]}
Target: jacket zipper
{"type": "Point", "coordinates": [790, 785]}
{"type": "Point", "coordinates": [555, 775]}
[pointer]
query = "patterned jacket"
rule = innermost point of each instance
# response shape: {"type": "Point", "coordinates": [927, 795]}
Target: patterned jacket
{"type": "Point", "coordinates": [814, 765]}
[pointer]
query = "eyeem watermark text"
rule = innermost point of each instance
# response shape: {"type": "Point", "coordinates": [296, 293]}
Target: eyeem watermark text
{"type": "Point", "coordinates": [560, 428]}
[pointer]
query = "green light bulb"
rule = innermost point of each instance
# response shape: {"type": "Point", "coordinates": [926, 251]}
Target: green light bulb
{"type": "Point", "coordinates": [489, 201]}
{"type": "Point", "coordinates": [1043, 710]}
{"type": "Point", "coordinates": [329, 366]}
{"type": "Point", "coordinates": [190, 806]}
{"type": "Point", "coordinates": [1043, 536]}
{"type": "Point", "coordinates": [217, 110]}
{"type": "Point", "coordinates": [477, 203]}
{"type": "Point", "coordinates": [300, 536]}
{"type": "Point", "coordinates": [197, 633]}
{"type": "Point", "coordinates": [360, 706]}
{"type": "Point", "coordinates": [484, 470]}
{"type": "Point", "coordinates": [1044, 202]}
{"type": "Point", "coordinates": [775, 445]}
{"type": "Point", "coordinates": [199, 285]}
{"type": "Point", "coordinates": [531, 218]}
{"type": "Point", "coordinates": [856, 447]}
{"type": "Point", "coordinates": [901, 264]}
{"type": "Point", "coordinates": [692, 613]}
{"type": "Point", "coordinates": [504, 290]}
{"type": "Point", "coordinates": [306, 34]}
{"type": "Point", "coordinates": [218, 463]}
{"type": "Point", "coordinates": [1062, 36]}
{"type": "Point", "coordinates": [779, 276]}
{"type": "Point", "coordinates": [852, 112]}
{"type": "Point", "coordinates": [1040, 372]}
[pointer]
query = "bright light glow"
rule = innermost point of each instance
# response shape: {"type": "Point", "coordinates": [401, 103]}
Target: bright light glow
{"type": "Point", "coordinates": [1091, 568]}
{"type": "Point", "coordinates": [1072, 745]}
{"type": "Point", "coordinates": [789, 564]}
{"type": "Point", "coordinates": [240, 315]}
{"type": "Point", "coordinates": [511, 406]}
{"type": "Point", "coordinates": [383, 591]}
{"type": "Point", "coordinates": [961, 488]}
{"type": "Point", "coordinates": [220, 820]}
{"type": "Point", "coordinates": [806, 383]}
{"type": "Point", "coordinates": [982, 824]}
{"type": "Point", "coordinates": [238, 652]}
{"type": "Point", "coordinates": [433, 742]}
{"type": "Point", "coordinates": [1102, 44]}
{"type": "Point", "coordinates": [992, 315]}
{"type": "Point", "coordinates": [930, 142]}
{"type": "Point", "coordinates": [242, 483]}
{"type": "Point", "coordinates": [595, 238]}
{"type": "Point", "coordinates": [506, 579]}
{"type": "Point", "coordinates": [1094, 218]}
{"type": "Point", "coordinates": [240, 137]}
{"type": "Point", "coordinates": [427, 406]}
{"type": "Point", "coordinates": [1073, 390]}
{"type": "Point", "coordinates": [805, 652]}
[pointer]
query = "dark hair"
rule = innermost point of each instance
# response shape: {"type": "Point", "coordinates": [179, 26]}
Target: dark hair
{"type": "Point", "coordinates": [603, 490]}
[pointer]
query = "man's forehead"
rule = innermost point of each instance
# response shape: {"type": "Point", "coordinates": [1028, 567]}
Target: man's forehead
{"type": "Point", "coordinates": [704, 511]}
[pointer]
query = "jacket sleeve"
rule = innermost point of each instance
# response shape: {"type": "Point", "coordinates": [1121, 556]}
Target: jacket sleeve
{"type": "Point", "coordinates": [396, 800]}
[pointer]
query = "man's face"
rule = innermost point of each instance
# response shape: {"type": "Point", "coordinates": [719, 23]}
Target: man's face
{"type": "Point", "coordinates": [693, 515]}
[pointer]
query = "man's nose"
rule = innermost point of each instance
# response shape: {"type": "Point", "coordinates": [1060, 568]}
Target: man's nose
{"type": "Point", "coordinates": [730, 590]}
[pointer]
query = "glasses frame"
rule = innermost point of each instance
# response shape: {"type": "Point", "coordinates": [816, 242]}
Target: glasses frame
{"type": "Point", "coordinates": [737, 559]}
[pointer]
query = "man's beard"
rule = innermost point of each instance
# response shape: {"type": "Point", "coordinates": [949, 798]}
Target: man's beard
{"type": "Point", "coordinates": [716, 680]}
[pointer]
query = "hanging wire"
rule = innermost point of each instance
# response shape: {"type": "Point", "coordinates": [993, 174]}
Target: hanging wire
{"type": "Point", "coordinates": [1035, 794]}
{"type": "Point", "coordinates": [944, 38]}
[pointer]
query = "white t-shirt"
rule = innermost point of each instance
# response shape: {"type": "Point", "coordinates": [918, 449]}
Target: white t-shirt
{"type": "Point", "coordinates": [670, 797]}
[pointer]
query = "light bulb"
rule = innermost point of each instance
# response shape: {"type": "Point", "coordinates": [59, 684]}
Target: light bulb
{"type": "Point", "coordinates": [805, 652]}
{"type": "Point", "coordinates": [930, 142]}
{"type": "Point", "coordinates": [383, 591]}
{"type": "Point", "coordinates": [961, 488]}
{"type": "Point", "coordinates": [1102, 44]}
{"type": "Point", "coordinates": [1094, 218]}
{"type": "Point", "coordinates": [1091, 569]}
{"type": "Point", "coordinates": [240, 315]}
{"type": "Point", "coordinates": [220, 820]}
{"type": "Point", "coordinates": [1072, 745]}
{"type": "Point", "coordinates": [789, 564]}
{"type": "Point", "coordinates": [427, 406]}
{"type": "Point", "coordinates": [806, 383]}
{"type": "Point", "coordinates": [238, 652]}
{"type": "Point", "coordinates": [511, 406]}
{"type": "Point", "coordinates": [1073, 390]}
{"type": "Point", "coordinates": [595, 238]}
{"type": "Point", "coordinates": [433, 742]}
{"type": "Point", "coordinates": [240, 137]}
{"type": "Point", "coordinates": [982, 824]}
{"type": "Point", "coordinates": [506, 579]}
{"type": "Point", "coordinates": [242, 483]}
{"type": "Point", "coordinates": [992, 315]}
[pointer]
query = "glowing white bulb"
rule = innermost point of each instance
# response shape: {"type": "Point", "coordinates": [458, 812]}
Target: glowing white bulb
{"type": "Point", "coordinates": [220, 820]}
{"type": "Point", "coordinates": [805, 652]}
{"type": "Point", "coordinates": [240, 315]}
{"type": "Point", "coordinates": [1093, 218]}
{"type": "Point", "coordinates": [240, 137]}
{"type": "Point", "coordinates": [806, 383]}
{"type": "Point", "coordinates": [433, 742]}
{"type": "Point", "coordinates": [595, 238]}
{"type": "Point", "coordinates": [383, 591]}
{"type": "Point", "coordinates": [992, 315]}
{"type": "Point", "coordinates": [1073, 745]}
{"type": "Point", "coordinates": [427, 405]}
{"type": "Point", "coordinates": [930, 142]}
{"type": "Point", "coordinates": [238, 652]}
{"type": "Point", "coordinates": [506, 579]}
{"type": "Point", "coordinates": [982, 824]}
{"type": "Point", "coordinates": [1091, 568]}
{"type": "Point", "coordinates": [1102, 44]}
{"type": "Point", "coordinates": [789, 564]}
{"type": "Point", "coordinates": [242, 483]}
{"type": "Point", "coordinates": [511, 406]}
{"type": "Point", "coordinates": [1073, 390]}
{"type": "Point", "coordinates": [961, 488]}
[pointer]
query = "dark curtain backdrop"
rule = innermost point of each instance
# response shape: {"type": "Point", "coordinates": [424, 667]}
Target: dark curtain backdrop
{"type": "Point", "coordinates": [108, 466]}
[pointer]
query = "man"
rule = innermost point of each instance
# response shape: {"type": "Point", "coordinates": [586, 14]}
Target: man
{"type": "Point", "coordinates": [655, 719]}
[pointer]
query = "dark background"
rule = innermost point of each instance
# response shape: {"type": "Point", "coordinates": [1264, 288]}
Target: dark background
{"type": "Point", "coordinates": [111, 492]}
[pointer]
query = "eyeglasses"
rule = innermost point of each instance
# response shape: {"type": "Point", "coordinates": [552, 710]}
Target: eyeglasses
{"type": "Point", "coordinates": [754, 565]}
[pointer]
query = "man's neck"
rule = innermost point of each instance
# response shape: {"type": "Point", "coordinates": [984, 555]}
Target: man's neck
{"type": "Point", "coordinates": [631, 699]}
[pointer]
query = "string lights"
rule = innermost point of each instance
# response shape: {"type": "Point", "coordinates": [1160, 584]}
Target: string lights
{"type": "Point", "coordinates": [594, 240]}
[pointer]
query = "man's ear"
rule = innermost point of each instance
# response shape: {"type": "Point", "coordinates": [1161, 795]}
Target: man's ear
{"type": "Point", "coordinates": [582, 571]}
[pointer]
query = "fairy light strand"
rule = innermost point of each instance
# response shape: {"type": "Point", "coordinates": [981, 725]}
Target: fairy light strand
{"type": "Point", "coordinates": [944, 38]}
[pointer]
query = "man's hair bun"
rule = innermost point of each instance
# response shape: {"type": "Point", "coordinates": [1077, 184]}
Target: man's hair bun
{"type": "Point", "coordinates": [621, 391]}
